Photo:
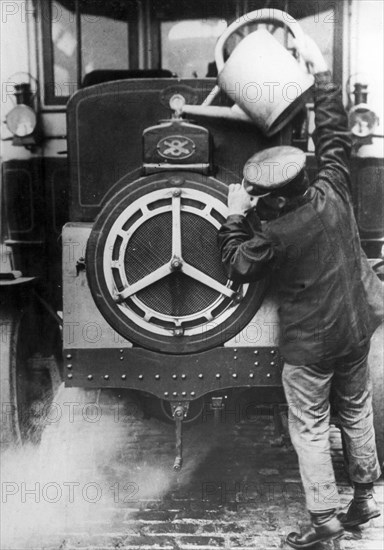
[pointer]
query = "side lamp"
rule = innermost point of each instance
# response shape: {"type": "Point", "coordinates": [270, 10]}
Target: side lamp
{"type": "Point", "coordinates": [22, 120]}
{"type": "Point", "coordinates": [362, 120]}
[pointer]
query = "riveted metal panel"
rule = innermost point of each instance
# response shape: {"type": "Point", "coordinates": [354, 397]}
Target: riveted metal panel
{"type": "Point", "coordinates": [173, 377]}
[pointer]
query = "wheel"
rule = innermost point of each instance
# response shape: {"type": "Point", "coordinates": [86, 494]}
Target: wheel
{"type": "Point", "coordinates": [154, 267]}
{"type": "Point", "coordinates": [376, 366]}
{"type": "Point", "coordinates": [30, 372]}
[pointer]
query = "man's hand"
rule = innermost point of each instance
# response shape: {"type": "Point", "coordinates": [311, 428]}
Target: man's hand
{"type": "Point", "coordinates": [239, 202]}
{"type": "Point", "coordinates": [311, 54]}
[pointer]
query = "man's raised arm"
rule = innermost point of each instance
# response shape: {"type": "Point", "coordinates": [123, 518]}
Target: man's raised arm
{"type": "Point", "coordinates": [332, 138]}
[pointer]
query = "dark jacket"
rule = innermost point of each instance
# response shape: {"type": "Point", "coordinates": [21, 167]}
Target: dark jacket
{"type": "Point", "coordinates": [329, 298]}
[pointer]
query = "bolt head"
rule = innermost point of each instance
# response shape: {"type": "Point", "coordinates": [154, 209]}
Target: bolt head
{"type": "Point", "coordinates": [176, 264]}
{"type": "Point", "coordinates": [237, 298]}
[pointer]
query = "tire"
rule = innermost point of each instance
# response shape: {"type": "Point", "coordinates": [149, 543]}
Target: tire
{"type": "Point", "coordinates": [30, 372]}
{"type": "Point", "coordinates": [178, 292]}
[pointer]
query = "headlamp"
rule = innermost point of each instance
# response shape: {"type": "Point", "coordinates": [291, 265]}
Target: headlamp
{"type": "Point", "coordinates": [21, 121]}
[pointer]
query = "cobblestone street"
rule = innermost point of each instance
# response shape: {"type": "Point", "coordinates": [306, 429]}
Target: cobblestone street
{"type": "Point", "coordinates": [235, 490]}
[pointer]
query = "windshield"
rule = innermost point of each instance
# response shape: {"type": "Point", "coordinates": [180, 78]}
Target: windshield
{"type": "Point", "coordinates": [83, 36]}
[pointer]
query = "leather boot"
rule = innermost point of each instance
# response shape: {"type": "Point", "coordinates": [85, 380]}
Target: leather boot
{"type": "Point", "coordinates": [325, 526]}
{"type": "Point", "coordinates": [362, 507]}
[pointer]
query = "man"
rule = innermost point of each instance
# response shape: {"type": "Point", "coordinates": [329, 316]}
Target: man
{"type": "Point", "coordinates": [330, 301]}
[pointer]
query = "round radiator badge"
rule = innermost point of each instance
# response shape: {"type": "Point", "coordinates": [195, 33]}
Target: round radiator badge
{"type": "Point", "coordinates": [176, 147]}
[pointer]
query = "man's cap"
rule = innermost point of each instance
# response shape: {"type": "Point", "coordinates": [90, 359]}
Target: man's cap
{"type": "Point", "coordinates": [272, 168]}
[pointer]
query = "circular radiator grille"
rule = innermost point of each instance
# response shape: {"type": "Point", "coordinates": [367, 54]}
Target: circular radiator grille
{"type": "Point", "coordinates": [155, 270]}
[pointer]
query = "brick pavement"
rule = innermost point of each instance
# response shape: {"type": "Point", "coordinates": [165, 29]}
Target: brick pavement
{"type": "Point", "coordinates": [235, 490]}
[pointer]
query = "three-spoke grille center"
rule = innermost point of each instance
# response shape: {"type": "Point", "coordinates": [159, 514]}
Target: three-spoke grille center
{"type": "Point", "coordinates": [151, 247]}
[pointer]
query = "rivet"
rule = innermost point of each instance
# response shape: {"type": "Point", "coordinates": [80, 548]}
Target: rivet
{"type": "Point", "coordinates": [141, 376]}
{"type": "Point", "coordinates": [251, 375]}
{"type": "Point", "coordinates": [235, 357]}
{"type": "Point", "coordinates": [234, 375]}
{"type": "Point", "coordinates": [69, 375]}
{"type": "Point", "coordinates": [184, 393]}
{"type": "Point", "coordinates": [165, 393]}
{"type": "Point", "coordinates": [174, 393]}
{"type": "Point", "coordinates": [174, 376]}
{"type": "Point", "coordinates": [157, 376]}
{"type": "Point", "coordinates": [200, 375]}
{"type": "Point", "coordinates": [235, 350]}
{"type": "Point", "coordinates": [256, 363]}
{"type": "Point", "coordinates": [90, 377]}
{"type": "Point", "coordinates": [273, 352]}
{"type": "Point", "coordinates": [183, 376]}
{"type": "Point", "coordinates": [69, 356]}
{"type": "Point", "coordinates": [193, 393]}
{"type": "Point", "coordinates": [256, 352]}
{"type": "Point", "coordinates": [218, 375]}
{"type": "Point", "coordinates": [106, 376]}
{"type": "Point", "coordinates": [272, 363]}
{"type": "Point", "coordinates": [123, 376]}
{"type": "Point", "coordinates": [69, 366]}
{"type": "Point", "coordinates": [121, 358]}
{"type": "Point", "coordinates": [268, 375]}
{"type": "Point", "coordinates": [177, 193]}
{"type": "Point", "coordinates": [121, 351]}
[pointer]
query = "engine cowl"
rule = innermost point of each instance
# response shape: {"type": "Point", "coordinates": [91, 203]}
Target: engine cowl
{"type": "Point", "coordinates": [154, 267]}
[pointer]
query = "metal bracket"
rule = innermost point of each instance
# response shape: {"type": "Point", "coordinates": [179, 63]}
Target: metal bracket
{"type": "Point", "coordinates": [179, 412]}
{"type": "Point", "coordinates": [216, 406]}
{"type": "Point", "coordinates": [80, 265]}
